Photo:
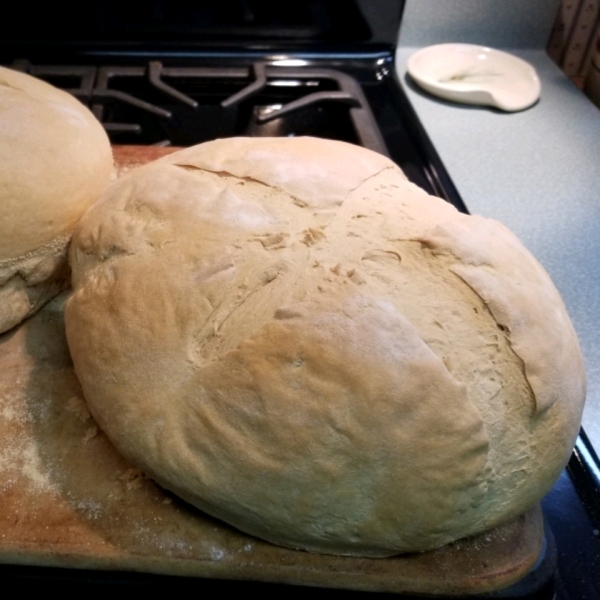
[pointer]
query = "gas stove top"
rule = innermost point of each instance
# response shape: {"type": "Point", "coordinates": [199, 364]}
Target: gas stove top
{"type": "Point", "coordinates": [273, 79]}
{"type": "Point", "coordinates": [154, 104]}
{"type": "Point", "coordinates": [185, 100]}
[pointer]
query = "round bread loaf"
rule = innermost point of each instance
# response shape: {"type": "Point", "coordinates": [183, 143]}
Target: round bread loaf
{"type": "Point", "coordinates": [55, 160]}
{"type": "Point", "coordinates": [294, 338]}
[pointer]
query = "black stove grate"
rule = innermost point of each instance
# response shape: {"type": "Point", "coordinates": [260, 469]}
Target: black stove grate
{"type": "Point", "coordinates": [182, 106]}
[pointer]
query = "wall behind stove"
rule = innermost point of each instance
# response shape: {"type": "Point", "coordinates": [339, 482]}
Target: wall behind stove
{"type": "Point", "coordinates": [501, 23]}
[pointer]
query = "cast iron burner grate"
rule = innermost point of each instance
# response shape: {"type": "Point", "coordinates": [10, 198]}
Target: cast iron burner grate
{"type": "Point", "coordinates": [183, 106]}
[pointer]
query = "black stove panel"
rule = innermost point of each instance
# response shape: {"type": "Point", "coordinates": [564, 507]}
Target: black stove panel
{"type": "Point", "coordinates": [178, 23]}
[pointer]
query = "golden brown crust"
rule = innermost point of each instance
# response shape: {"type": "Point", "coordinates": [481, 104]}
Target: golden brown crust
{"type": "Point", "coordinates": [55, 160]}
{"type": "Point", "coordinates": [28, 282]}
{"type": "Point", "coordinates": [326, 370]}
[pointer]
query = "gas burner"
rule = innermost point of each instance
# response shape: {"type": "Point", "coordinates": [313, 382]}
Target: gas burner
{"type": "Point", "coordinates": [182, 106]}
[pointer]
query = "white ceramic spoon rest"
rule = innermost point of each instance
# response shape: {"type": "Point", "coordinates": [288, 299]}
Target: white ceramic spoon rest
{"type": "Point", "coordinates": [475, 75]}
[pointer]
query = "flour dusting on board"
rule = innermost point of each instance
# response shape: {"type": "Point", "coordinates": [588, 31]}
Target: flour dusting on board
{"type": "Point", "coordinates": [22, 459]}
{"type": "Point", "coordinates": [19, 454]}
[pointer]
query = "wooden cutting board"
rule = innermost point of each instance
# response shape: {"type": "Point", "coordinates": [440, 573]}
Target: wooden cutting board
{"type": "Point", "coordinates": [68, 499]}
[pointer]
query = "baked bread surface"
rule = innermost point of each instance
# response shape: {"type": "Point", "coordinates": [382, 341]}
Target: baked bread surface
{"type": "Point", "coordinates": [295, 339]}
{"type": "Point", "coordinates": [55, 160]}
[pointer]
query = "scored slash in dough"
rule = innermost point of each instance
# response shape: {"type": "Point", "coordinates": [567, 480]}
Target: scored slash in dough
{"type": "Point", "coordinates": [297, 340]}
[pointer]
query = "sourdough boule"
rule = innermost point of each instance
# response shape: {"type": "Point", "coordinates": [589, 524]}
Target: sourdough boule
{"type": "Point", "coordinates": [55, 160]}
{"type": "Point", "coordinates": [294, 338]}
